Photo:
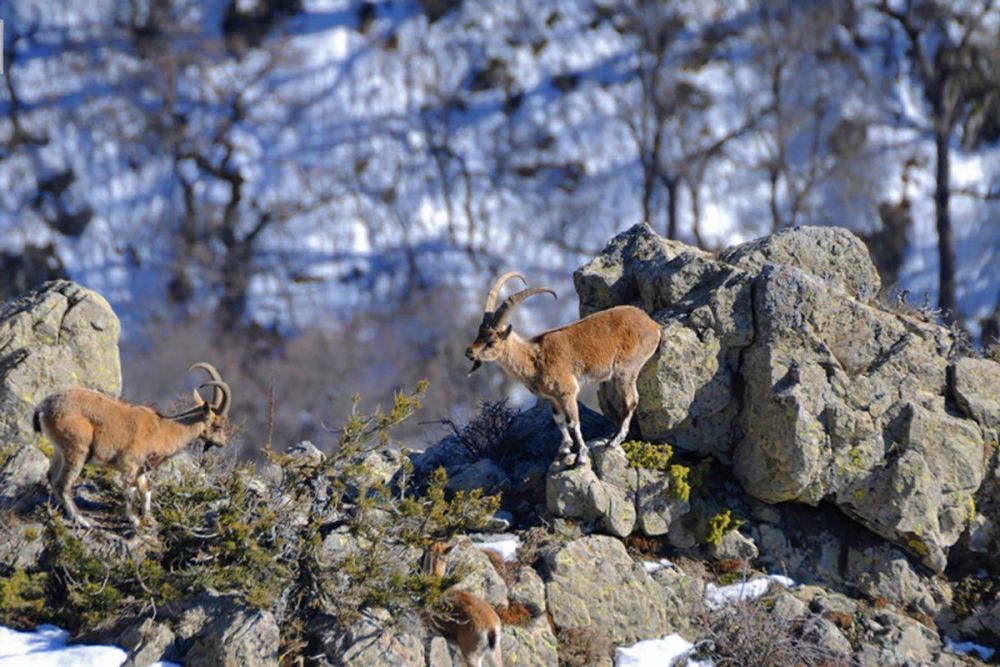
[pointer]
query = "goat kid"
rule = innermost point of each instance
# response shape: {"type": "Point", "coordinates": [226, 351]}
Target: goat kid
{"type": "Point", "coordinates": [462, 618]}
{"type": "Point", "coordinates": [612, 345]}
{"type": "Point", "coordinates": [88, 426]}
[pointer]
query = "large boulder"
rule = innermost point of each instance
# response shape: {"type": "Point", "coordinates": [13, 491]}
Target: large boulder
{"type": "Point", "coordinates": [595, 586]}
{"type": "Point", "coordinates": [775, 360]}
{"type": "Point", "coordinates": [58, 335]}
{"type": "Point", "coordinates": [846, 401]}
{"type": "Point", "coordinates": [239, 637]}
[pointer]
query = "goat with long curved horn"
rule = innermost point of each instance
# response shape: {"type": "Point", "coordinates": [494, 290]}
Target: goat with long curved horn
{"type": "Point", "coordinates": [610, 346]}
{"type": "Point", "coordinates": [87, 426]}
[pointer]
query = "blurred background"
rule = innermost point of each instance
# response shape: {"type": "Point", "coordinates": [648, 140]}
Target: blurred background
{"type": "Point", "coordinates": [315, 194]}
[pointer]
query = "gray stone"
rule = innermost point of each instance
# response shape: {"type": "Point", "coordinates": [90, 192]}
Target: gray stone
{"type": "Point", "coordinates": [533, 645]}
{"type": "Point", "coordinates": [528, 589]}
{"type": "Point", "coordinates": [594, 585]}
{"type": "Point", "coordinates": [483, 474]}
{"type": "Point", "coordinates": [241, 637]}
{"type": "Point", "coordinates": [59, 335]}
{"type": "Point", "coordinates": [833, 254]}
{"type": "Point", "coordinates": [828, 381]}
{"type": "Point", "coordinates": [977, 390]}
{"type": "Point", "coordinates": [146, 642]}
{"type": "Point", "coordinates": [827, 636]}
{"type": "Point", "coordinates": [479, 577]}
{"type": "Point", "coordinates": [733, 544]}
{"type": "Point", "coordinates": [885, 572]}
{"type": "Point", "coordinates": [374, 640]}
{"type": "Point", "coordinates": [439, 653]}
{"type": "Point", "coordinates": [788, 608]}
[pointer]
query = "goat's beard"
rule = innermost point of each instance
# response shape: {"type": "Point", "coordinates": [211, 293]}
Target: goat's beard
{"type": "Point", "coordinates": [475, 366]}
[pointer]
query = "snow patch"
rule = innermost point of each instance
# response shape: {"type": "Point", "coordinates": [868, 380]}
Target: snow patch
{"type": "Point", "coordinates": [651, 566]}
{"type": "Point", "coordinates": [965, 648]}
{"type": "Point", "coordinates": [664, 652]}
{"type": "Point", "coordinates": [46, 647]}
{"type": "Point", "coordinates": [719, 596]}
{"type": "Point", "coordinates": [505, 546]}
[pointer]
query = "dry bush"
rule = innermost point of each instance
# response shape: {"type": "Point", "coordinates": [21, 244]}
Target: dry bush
{"type": "Point", "coordinates": [582, 647]}
{"type": "Point", "coordinates": [507, 571]}
{"type": "Point", "coordinates": [645, 546]}
{"type": "Point", "coordinates": [514, 614]}
{"type": "Point", "coordinates": [484, 435]}
{"type": "Point", "coordinates": [747, 634]}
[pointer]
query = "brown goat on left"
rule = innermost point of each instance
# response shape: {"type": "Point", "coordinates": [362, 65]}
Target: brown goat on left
{"type": "Point", "coordinates": [86, 426]}
{"type": "Point", "coordinates": [462, 618]}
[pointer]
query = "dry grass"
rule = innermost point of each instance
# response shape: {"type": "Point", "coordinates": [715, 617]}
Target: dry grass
{"type": "Point", "coordinates": [582, 647]}
{"type": "Point", "coordinates": [514, 614]}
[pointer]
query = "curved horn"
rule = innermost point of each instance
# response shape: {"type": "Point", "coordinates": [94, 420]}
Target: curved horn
{"type": "Point", "coordinates": [491, 298]}
{"type": "Point", "coordinates": [216, 377]}
{"type": "Point", "coordinates": [222, 407]}
{"type": "Point", "coordinates": [511, 302]}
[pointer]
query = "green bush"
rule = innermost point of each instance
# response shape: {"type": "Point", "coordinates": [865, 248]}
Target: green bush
{"type": "Point", "coordinates": [220, 528]}
{"type": "Point", "coordinates": [648, 455]}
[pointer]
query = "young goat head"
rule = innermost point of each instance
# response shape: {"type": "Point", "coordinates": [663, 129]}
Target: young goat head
{"type": "Point", "coordinates": [87, 426]}
{"type": "Point", "coordinates": [462, 618]}
{"type": "Point", "coordinates": [609, 346]}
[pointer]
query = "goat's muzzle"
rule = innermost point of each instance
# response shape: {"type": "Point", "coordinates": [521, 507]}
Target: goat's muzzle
{"type": "Point", "coordinates": [475, 362]}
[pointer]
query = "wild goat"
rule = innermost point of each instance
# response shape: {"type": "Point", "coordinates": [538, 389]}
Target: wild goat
{"type": "Point", "coordinates": [87, 426]}
{"type": "Point", "coordinates": [609, 346]}
{"type": "Point", "coordinates": [463, 618]}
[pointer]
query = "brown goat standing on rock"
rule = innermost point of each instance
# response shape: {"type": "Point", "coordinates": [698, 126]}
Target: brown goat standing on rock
{"type": "Point", "coordinates": [87, 426]}
{"type": "Point", "coordinates": [463, 618]}
{"type": "Point", "coordinates": [609, 346]}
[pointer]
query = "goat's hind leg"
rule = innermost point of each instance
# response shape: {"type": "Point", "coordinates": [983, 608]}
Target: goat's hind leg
{"type": "Point", "coordinates": [63, 488]}
{"type": "Point", "coordinates": [626, 389]}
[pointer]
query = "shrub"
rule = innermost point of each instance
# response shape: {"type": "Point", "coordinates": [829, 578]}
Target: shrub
{"type": "Point", "coordinates": [746, 633]}
{"type": "Point", "coordinates": [483, 437]}
{"type": "Point", "coordinates": [719, 524]}
{"type": "Point", "coordinates": [218, 527]}
{"type": "Point", "coordinates": [679, 487]}
{"type": "Point", "coordinates": [648, 455]}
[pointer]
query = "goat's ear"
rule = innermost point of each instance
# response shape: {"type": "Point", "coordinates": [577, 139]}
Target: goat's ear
{"type": "Point", "coordinates": [506, 332]}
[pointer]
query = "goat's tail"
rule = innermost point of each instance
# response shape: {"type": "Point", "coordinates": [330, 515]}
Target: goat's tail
{"type": "Point", "coordinates": [493, 637]}
{"type": "Point", "coordinates": [36, 419]}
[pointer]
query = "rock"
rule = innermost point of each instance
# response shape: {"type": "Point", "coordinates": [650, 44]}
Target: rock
{"type": "Point", "coordinates": [533, 645]}
{"type": "Point", "coordinates": [307, 452]}
{"type": "Point", "coordinates": [885, 572]}
{"type": "Point", "coordinates": [58, 335]}
{"type": "Point", "coordinates": [374, 640]}
{"type": "Point", "coordinates": [22, 544]}
{"type": "Point", "coordinates": [977, 391]}
{"type": "Point", "coordinates": [657, 504]}
{"type": "Point", "coordinates": [774, 359]}
{"type": "Point", "coordinates": [528, 589]}
{"type": "Point", "coordinates": [827, 636]}
{"type": "Point", "coordinates": [483, 474]}
{"type": "Point", "coordinates": [578, 493]}
{"type": "Point", "coordinates": [733, 545]}
{"type": "Point", "coordinates": [684, 594]}
{"type": "Point", "coordinates": [828, 381]}
{"type": "Point", "coordinates": [240, 637]}
{"type": "Point", "coordinates": [147, 642]}
{"type": "Point", "coordinates": [833, 254]}
{"type": "Point", "coordinates": [894, 639]}
{"type": "Point", "coordinates": [984, 622]}
{"type": "Point", "coordinates": [479, 577]}
{"type": "Point", "coordinates": [593, 585]}
{"type": "Point", "coordinates": [833, 602]}
{"type": "Point", "coordinates": [439, 654]}
{"type": "Point", "coordinates": [788, 608]}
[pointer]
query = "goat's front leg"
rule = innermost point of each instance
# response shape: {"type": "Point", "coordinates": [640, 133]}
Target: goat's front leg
{"type": "Point", "coordinates": [626, 388]}
{"type": "Point", "coordinates": [566, 448]}
{"type": "Point", "coordinates": [573, 419]}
